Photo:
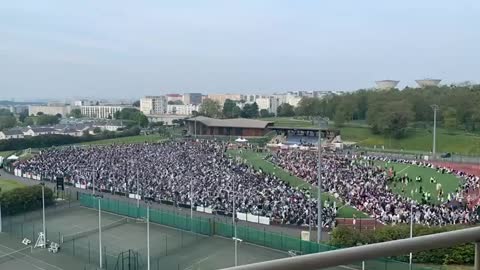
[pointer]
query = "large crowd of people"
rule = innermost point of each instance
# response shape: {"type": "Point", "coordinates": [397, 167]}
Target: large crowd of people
{"type": "Point", "coordinates": [362, 183]}
{"type": "Point", "coordinates": [180, 172]}
{"type": "Point", "coordinates": [201, 172]}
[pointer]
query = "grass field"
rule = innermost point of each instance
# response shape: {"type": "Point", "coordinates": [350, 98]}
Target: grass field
{"type": "Point", "coordinates": [257, 161]}
{"type": "Point", "coordinates": [448, 181]}
{"type": "Point", "coordinates": [127, 140]}
{"type": "Point", "coordinates": [419, 139]}
{"type": "Point", "coordinates": [6, 153]}
{"type": "Point", "coordinates": [6, 184]}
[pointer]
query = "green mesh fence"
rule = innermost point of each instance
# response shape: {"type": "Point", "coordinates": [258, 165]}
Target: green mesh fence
{"type": "Point", "coordinates": [252, 235]}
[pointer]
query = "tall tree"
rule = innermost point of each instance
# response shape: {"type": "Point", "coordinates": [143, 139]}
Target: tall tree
{"type": "Point", "coordinates": [76, 113]}
{"type": "Point", "coordinates": [250, 110]}
{"type": "Point", "coordinates": [285, 110]}
{"type": "Point", "coordinates": [210, 108]}
{"type": "Point", "coordinates": [230, 109]}
{"type": "Point", "coordinates": [450, 118]}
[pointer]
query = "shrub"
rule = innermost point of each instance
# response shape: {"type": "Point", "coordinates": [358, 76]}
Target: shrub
{"type": "Point", "coordinates": [24, 199]}
{"type": "Point", "coordinates": [462, 254]}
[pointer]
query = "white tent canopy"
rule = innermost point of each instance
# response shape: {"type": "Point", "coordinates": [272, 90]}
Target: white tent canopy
{"type": "Point", "coordinates": [241, 140]}
{"type": "Point", "coordinates": [12, 157]}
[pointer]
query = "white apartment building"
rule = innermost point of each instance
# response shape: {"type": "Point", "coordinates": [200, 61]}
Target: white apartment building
{"type": "Point", "coordinates": [50, 110]}
{"type": "Point", "coordinates": [153, 105]}
{"type": "Point", "coordinates": [102, 111]}
{"type": "Point", "coordinates": [186, 109]}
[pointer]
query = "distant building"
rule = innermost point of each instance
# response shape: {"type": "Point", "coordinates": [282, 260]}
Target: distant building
{"type": "Point", "coordinates": [241, 127]}
{"type": "Point", "coordinates": [49, 110]}
{"type": "Point", "coordinates": [174, 97]}
{"type": "Point", "coordinates": [386, 84]}
{"type": "Point", "coordinates": [182, 109]}
{"type": "Point", "coordinates": [153, 105]}
{"type": "Point", "coordinates": [220, 98]}
{"type": "Point", "coordinates": [37, 131]}
{"type": "Point", "coordinates": [263, 103]}
{"type": "Point", "coordinates": [428, 82]}
{"type": "Point", "coordinates": [167, 119]}
{"type": "Point", "coordinates": [11, 134]}
{"type": "Point", "coordinates": [102, 111]}
{"type": "Point", "coordinates": [192, 98]}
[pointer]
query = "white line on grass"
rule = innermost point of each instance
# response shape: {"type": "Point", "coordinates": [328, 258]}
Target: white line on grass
{"type": "Point", "coordinates": [404, 169]}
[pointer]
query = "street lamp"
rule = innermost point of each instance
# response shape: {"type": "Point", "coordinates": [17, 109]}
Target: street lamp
{"type": "Point", "coordinates": [234, 212]}
{"type": "Point", "coordinates": [435, 109]}
{"type": "Point", "coordinates": [1, 230]}
{"type": "Point", "coordinates": [321, 121]}
{"type": "Point", "coordinates": [43, 215]}
{"type": "Point", "coordinates": [411, 234]}
{"type": "Point", "coordinates": [99, 197]}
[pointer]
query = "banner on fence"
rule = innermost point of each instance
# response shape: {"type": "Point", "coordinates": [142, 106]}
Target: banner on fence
{"type": "Point", "coordinates": [200, 209]}
{"type": "Point", "coordinates": [208, 210]}
{"type": "Point", "coordinates": [242, 216]}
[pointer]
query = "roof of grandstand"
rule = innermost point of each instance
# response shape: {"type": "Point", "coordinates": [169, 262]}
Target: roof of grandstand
{"type": "Point", "coordinates": [235, 122]}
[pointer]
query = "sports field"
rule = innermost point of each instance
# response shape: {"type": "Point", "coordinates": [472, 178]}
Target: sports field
{"type": "Point", "coordinates": [7, 184]}
{"type": "Point", "coordinates": [257, 160]}
{"type": "Point", "coordinates": [170, 248]}
{"type": "Point", "coordinates": [130, 139]}
{"type": "Point", "coordinates": [449, 182]}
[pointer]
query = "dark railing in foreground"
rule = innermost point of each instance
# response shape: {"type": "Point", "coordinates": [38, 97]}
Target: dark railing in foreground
{"type": "Point", "coordinates": [355, 254]}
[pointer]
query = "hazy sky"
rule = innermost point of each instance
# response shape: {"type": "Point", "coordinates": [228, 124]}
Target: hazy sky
{"type": "Point", "coordinates": [114, 48]}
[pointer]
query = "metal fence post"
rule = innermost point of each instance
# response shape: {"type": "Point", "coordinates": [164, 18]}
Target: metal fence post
{"type": "Point", "coordinates": [477, 256]}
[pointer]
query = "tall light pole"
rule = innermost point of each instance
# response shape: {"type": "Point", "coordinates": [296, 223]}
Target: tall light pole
{"type": "Point", "coordinates": [43, 216]}
{"type": "Point", "coordinates": [434, 149]}
{"type": "Point", "coordinates": [99, 197]}
{"type": "Point", "coordinates": [234, 223]}
{"type": "Point", "coordinates": [148, 236]}
{"type": "Point", "coordinates": [1, 229]}
{"type": "Point", "coordinates": [319, 182]}
{"type": "Point", "coordinates": [138, 197]}
{"type": "Point", "coordinates": [411, 234]}
{"type": "Point", "coordinates": [191, 204]}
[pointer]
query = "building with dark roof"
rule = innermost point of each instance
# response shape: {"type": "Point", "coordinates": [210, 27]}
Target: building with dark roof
{"type": "Point", "coordinates": [202, 125]}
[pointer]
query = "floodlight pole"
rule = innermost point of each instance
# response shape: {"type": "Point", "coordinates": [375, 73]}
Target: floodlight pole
{"type": "Point", "coordinates": [319, 183]}
{"type": "Point", "coordinates": [148, 236]}
{"type": "Point", "coordinates": [43, 216]}
{"type": "Point", "coordinates": [191, 202]}
{"type": "Point", "coordinates": [234, 223]}
{"type": "Point", "coordinates": [434, 149]}
{"type": "Point", "coordinates": [1, 229]}
{"type": "Point", "coordinates": [100, 229]}
{"type": "Point", "coordinates": [411, 235]}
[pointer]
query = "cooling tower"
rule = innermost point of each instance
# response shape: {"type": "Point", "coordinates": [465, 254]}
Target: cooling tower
{"type": "Point", "coordinates": [386, 84]}
{"type": "Point", "coordinates": [428, 82]}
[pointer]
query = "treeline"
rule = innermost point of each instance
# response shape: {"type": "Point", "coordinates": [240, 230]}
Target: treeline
{"type": "Point", "coordinates": [56, 140]}
{"type": "Point", "coordinates": [461, 254]}
{"type": "Point", "coordinates": [24, 199]}
{"type": "Point", "coordinates": [392, 112]}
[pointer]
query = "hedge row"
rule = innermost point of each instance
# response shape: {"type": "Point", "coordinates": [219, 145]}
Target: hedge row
{"type": "Point", "coordinates": [24, 199]}
{"type": "Point", "coordinates": [55, 140]}
{"type": "Point", "coordinates": [462, 254]}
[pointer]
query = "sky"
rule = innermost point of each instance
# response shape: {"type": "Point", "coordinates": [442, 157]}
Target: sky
{"type": "Point", "coordinates": [127, 49]}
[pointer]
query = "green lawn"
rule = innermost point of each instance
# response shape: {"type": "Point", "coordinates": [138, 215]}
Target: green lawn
{"type": "Point", "coordinates": [459, 142]}
{"type": "Point", "coordinates": [6, 153]}
{"type": "Point", "coordinates": [7, 184]}
{"type": "Point", "coordinates": [257, 161]}
{"type": "Point", "coordinates": [127, 140]}
{"type": "Point", "coordinates": [449, 182]}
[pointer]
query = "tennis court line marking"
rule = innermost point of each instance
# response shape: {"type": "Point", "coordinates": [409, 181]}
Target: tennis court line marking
{"type": "Point", "coordinates": [38, 260]}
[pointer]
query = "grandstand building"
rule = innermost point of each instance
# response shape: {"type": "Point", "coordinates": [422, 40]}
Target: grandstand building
{"type": "Point", "coordinates": [201, 125]}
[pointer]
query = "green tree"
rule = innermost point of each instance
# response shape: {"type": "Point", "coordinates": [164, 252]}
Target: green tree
{"type": "Point", "coordinates": [7, 120]}
{"type": "Point", "coordinates": [210, 108]}
{"type": "Point", "coordinates": [22, 115]}
{"type": "Point", "coordinates": [45, 119]}
{"type": "Point", "coordinates": [76, 113]}
{"type": "Point", "coordinates": [29, 121]}
{"type": "Point", "coordinates": [309, 107]}
{"type": "Point", "coordinates": [249, 110]}
{"type": "Point", "coordinates": [136, 104]}
{"type": "Point", "coordinates": [40, 113]}
{"type": "Point", "coordinates": [265, 113]}
{"type": "Point", "coordinates": [285, 110]}
{"type": "Point", "coordinates": [450, 118]}
{"type": "Point", "coordinates": [230, 109]}
{"type": "Point", "coordinates": [132, 114]}
{"type": "Point", "coordinates": [339, 117]}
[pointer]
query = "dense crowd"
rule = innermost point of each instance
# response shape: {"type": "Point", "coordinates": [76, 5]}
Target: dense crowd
{"type": "Point", "coordinates": [359, 182]}
{"type": "Point", "coordinates": [180, 172]}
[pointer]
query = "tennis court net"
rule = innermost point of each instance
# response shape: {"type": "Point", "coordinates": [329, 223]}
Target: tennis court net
{"type": "Point", "coordinates": [71, 237]}
{"type": "Point", "coordinates": [15, 255]}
